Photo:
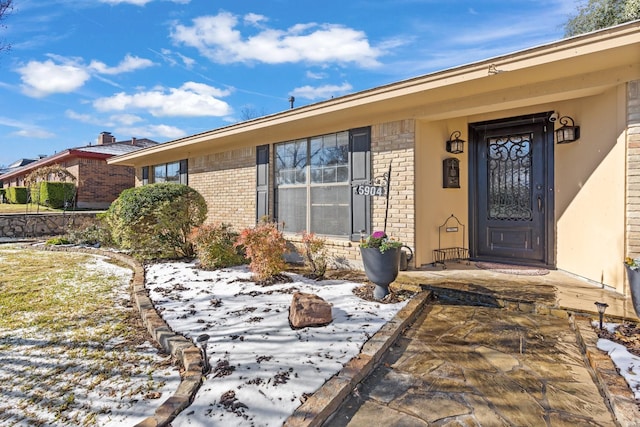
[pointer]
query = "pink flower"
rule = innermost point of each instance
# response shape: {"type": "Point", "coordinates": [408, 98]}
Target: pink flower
{"type": "Point", "coordinates": [379, 234]}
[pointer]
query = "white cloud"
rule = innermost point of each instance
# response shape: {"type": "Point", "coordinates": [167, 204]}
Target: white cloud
{"type": "Point", "coordinates": [321, 92]}
{"type": "Point", "coordinates": [316, 76]}
{"type": "Point", "coordinates": [84, 118]}
{"type": "Point", "coordinates": [25, 129]}
{"type": "Point", "coordinates": [45, 78]}
{"type": "Point", "coordinates": [60, 74]}
{"type": "Point", "coordinates": [126, 119]}
{"type": "Point", "coordinates": [34, 133]}
{"type": "Point", "coordinates": [152, 131]}
{"type": "Point", "coordinates": [218, 38]}
{"type": "Point", "coordinates": [129, 63]}
{"type": "Point", "coordinates": [169, 57]}
{"type": "Point", "coordinates": [190, 100]}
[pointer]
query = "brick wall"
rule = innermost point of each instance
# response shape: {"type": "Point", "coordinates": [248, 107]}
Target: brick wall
{"type": "Point", "coordinates": [100, 184]}
{"type": "Point", "coordinates": [227, 181]}
{"type": "Point", "coordinates": [391, 143]}
{"type": "Point", "coordinates": [633, 170]}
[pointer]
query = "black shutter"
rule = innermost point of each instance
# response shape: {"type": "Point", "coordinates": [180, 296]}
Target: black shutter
{"type": "Point", "coordinates": [145, 175]}
{"type": "Point", "coordinates": [262, 182]}
{"type": "Point", "coordinates": [360, 161]}
{"type": "Point", "coordinates": [184, 176]}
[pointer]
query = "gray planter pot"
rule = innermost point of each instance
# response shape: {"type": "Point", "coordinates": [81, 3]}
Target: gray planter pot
{"type": "Point", "coordinates": [381, 268]}
{"type": "Point", "coordinates": [634, 285]}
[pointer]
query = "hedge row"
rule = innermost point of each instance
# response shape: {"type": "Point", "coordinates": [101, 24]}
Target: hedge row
{"type": "Point", "coordinates": [53, 194]}
{"type": "Point", "coordinates": [17, 195]}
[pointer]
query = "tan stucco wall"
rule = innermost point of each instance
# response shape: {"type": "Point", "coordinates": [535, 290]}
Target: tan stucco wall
{"type": "Point", "coordinates": [435, 204]}
{"type": "Point", "coordinates": [589, 185]}
{"type": "Point", "coordinates": [590, 190]}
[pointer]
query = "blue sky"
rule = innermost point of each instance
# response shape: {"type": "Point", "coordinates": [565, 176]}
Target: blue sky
{"type": "Point", "coordinates": [164, 69]}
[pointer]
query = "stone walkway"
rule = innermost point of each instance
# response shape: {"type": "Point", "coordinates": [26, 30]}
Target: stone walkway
{"type": "Point", "coordinates": [461, 365]}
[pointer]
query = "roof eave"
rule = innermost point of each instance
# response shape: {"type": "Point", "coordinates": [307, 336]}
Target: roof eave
{"type": "Point", "coordinates": [563, 50]}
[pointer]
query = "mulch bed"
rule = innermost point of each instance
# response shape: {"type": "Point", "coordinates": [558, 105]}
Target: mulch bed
{"type": "Point", "coordinates": [627, 334]}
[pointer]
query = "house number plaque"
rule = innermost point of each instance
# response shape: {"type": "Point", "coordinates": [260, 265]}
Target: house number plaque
{"type": "Point", "coordinates": [369, 190]}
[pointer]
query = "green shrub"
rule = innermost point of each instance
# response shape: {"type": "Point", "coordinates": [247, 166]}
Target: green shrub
{"type": "Point", "coordinates": [214, 246]}
{"type": "Point", "coordinates": [17, 195]}
{"type": "Point", "coordinates": [155, 220]}
{"type": "Point", "coordinates": [55, 194]}
{"type": "Point", "coordinates": [57, 241]}
{"type": "Point", "coordinates": [265, 246]}
{"type": "Point", "coordinates": [94, 234]}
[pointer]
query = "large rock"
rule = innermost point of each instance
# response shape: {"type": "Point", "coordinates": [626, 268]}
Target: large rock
{"type": "Point", "coordinates": [309, 310]}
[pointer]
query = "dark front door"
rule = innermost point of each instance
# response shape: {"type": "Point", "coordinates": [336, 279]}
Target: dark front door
{"type": "Point", "coordinates": [511, 178]}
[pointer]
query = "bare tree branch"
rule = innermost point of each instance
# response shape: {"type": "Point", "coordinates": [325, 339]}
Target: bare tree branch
{"type": "Point", "coordinates": [6, 6]}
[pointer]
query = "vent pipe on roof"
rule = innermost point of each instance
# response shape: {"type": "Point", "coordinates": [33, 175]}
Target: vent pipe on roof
{"type": "Point", "coordinates": [292, 99]}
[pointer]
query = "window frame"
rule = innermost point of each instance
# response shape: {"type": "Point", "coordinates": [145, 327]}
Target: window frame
{"type": "Point", "coordinates": [342, 139]}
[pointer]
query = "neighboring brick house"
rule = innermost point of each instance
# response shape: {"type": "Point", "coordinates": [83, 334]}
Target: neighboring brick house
{"type": "Point", "coordinates": [526, 193]}
{"type": "Point", "coordinates": [98, 184]}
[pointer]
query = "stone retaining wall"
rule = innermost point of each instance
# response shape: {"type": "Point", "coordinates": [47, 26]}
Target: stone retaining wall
{"type": "Point", "coordinates": [43, 224]}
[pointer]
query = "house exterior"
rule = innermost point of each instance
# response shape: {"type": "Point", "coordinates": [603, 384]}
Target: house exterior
{"type": "Point", "coordinates": [520, 195]}
{"type": "Point", "coordinates": [98, 184]}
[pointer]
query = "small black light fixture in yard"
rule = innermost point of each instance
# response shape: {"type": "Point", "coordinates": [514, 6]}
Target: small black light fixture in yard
{"type": "Point", "coordinates": [455, 145]}
{"type": "Point", "coordinates": [202, 341]}
{"type": "Point", "coordinates": [568, 132]}
{"type": "Point", "coordinates": [601, 306]}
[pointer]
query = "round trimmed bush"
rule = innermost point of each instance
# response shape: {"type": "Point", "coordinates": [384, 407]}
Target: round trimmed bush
{"type": "Point", "coordinates": [155, 220]}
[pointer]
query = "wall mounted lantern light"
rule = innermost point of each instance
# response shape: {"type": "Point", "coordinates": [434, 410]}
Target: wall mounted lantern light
{"type": "Point", "coordinates": [455, 145]}
{"type": "Point", "coordinates": [568, 132]}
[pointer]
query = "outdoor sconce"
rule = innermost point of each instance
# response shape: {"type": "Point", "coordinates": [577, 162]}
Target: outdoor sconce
{"type": "Point", "coordinates": [455, 145]}
{"type": "Point", "coordinates": [202, 341]}
{"type": "Point", "coordinates": [567, 133]}
{"type": "Point", "coordinates": [601, 306]}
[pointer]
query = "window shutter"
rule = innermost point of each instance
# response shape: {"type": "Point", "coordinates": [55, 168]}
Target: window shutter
{"type": "Point", "coordinates": [360, 152]}
{"type": "Point", "coordinates": [262, 182]}
{"type": "Point", "coordinates": [145, 175]}
{"type": "Point", "coordinates": [184, 176]}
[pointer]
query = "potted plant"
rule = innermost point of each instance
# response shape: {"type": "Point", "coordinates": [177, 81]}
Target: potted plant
{"type": "Point", "coordinates": [381, 260]}
{"type": "Point", "coordinates": [633, 274]}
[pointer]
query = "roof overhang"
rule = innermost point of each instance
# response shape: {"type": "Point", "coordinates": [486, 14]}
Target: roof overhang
{"type": "Point", "coordinates": [572, 68]}
{"type": "Point", "coordinates": [52, 160]}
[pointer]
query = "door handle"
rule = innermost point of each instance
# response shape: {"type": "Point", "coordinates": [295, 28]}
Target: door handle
{"type": "Point", "coordinates": [539, 203]}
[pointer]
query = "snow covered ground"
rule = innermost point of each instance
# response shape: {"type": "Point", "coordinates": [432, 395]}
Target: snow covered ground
{"type": "Point", "coordinates": [261, 368]}
{"type": "Point", "coordinates": [628, 364]}
{"type": "Point", "coordinates": [76, 369]}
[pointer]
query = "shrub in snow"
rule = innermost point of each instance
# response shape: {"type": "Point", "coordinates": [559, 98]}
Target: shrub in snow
{"type": "Point", "coordinates": [155, 220]}
{"type": "Point", "coordinates": [265, 246]}
{"type": "Point", "coordinates": [215, 246]}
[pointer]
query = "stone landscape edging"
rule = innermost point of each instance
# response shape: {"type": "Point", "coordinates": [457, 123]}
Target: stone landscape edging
{"type": "Point", "coordinates": [327, 399]}
{"type": "Point", "coordinates": [180, 348]}
{"type": "Point", "coordinates": [612, 385]}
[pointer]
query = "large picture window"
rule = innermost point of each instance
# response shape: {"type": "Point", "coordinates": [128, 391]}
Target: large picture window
{"type": "Point", "coordinates": [313, 187]}
{"type": "Point", "coordinates": [169, 172]}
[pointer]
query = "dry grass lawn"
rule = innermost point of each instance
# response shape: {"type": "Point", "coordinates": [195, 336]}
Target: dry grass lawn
{"type": "Point", "coordinates": [72, 348]}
